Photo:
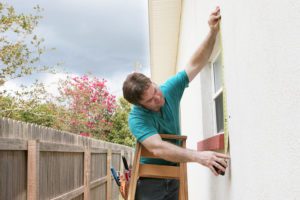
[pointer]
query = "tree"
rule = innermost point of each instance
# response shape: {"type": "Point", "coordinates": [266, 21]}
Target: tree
{"type": "Point", "coordinates": [20, 48]}
{"type": "Point", "coordinates": [30, 104]}
{"type": "Point", "coordinates": [90, 105]}
{"type": "Point", "coordinates": [20, 53]}
{"type": "Point", "coordinates": [120, 132]}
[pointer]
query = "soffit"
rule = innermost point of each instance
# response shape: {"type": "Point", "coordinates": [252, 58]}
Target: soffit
{"type": "Point", "coordinates": [164, 28]}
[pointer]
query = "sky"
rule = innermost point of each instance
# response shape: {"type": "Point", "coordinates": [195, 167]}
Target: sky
{"type": "Point", "coordinates": [103, 37]}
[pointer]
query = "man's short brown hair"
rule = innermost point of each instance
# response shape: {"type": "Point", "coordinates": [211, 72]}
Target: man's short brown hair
{"type": "Point", "coordinates": [134, 87]}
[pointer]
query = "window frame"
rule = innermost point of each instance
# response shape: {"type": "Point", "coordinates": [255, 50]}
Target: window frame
{"type": "Point", "coordinates": [216, 94]}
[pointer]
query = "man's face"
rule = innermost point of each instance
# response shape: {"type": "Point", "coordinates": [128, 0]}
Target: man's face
{"type": "Point", "coordinates": [153, 98]}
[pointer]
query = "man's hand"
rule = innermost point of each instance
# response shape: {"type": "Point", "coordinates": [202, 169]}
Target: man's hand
{"type": "Point", "coordinates": [202, 54]}
{"type": "Point", "coordinates": [214, 20]}
{"type": "Point", "coordinates": [212, 159]}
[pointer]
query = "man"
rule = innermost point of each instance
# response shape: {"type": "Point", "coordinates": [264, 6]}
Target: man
{"type": "Point", "coordinates": [156, 110]}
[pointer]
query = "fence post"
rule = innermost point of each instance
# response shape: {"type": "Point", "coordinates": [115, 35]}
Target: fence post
{"type": "Point", "coordinates": [87, 173]}
{"type": "Point", "coordinates": [33, 169]}
{"type": "Point", "coordinates": [108, 163]}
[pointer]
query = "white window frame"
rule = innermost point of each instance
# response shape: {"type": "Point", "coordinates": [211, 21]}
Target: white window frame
{"type": "Point", "coordinates": [215, 94]}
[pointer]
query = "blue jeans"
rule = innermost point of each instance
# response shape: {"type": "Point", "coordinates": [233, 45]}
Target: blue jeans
{"type": "Point", "coordinates": [157, 189]}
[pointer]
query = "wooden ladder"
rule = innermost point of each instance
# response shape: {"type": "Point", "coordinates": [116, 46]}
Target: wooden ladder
{"type": "Point", "coordinates": [158, 171]}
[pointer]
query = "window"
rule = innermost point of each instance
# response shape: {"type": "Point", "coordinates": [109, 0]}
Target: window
{"type": "Point", "coordinates": [217, 93]}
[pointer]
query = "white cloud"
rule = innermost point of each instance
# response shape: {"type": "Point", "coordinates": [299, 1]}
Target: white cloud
{"type": "Point", "coordinates": [10, 86]}
{"type": "Point", "coordinates": [51, 82]}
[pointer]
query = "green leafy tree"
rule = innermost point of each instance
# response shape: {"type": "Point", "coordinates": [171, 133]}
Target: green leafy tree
{"type": "Point", "coordinates": [20, 53]}
{"type": "Point", "coordinates": [42, 114]}
{"type": "Point", "coordinates": [6, 104]}
{"type": "Point", "coordinates": [20, 48]}
{"type": "Point", "coordinates": [30, 104]}
{"type": "Point", "coordinates": [120, 132]}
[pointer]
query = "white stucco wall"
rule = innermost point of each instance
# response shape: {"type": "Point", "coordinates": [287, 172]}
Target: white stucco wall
{"type": "Point", "coordinates": [262, 73]}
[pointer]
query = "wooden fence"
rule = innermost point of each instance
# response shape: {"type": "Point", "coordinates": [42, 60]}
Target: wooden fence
{"type": "Point", "coordinates": [42, 163]}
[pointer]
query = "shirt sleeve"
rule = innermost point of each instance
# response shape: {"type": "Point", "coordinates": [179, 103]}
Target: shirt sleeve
{"type": "Point", "coordinates": [176, 84]}
{"type": "Point", "coordinates": [141, 128]}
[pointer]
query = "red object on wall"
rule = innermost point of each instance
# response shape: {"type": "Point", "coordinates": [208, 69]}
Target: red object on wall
{"type": "Point", "coordinates": [85, 134]}
{"type": "Point", "coordinates": [211, 144]}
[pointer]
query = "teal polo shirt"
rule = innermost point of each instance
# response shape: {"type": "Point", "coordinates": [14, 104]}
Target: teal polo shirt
{"type": "Point", "coordinates": [144, 123]}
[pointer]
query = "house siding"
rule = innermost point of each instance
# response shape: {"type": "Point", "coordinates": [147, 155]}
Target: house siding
{"type": "Point", "coordinates": [261, 48]}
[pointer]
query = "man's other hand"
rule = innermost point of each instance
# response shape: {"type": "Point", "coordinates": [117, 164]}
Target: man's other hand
{"type": "Point", "coordinates": [214, 20]}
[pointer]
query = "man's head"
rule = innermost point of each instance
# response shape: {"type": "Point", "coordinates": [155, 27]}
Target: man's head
{"type": "Point", "coordinates": [138, 89]}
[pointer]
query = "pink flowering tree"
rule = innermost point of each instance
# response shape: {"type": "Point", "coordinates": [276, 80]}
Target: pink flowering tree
{"type": "Point", "coordinates": [90, 105]}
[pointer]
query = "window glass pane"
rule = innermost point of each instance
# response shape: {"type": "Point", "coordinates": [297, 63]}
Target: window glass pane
{"type": "Point", "coordinates": [219, 113]}
{"type": "Point", "coordinates": [218, 73]}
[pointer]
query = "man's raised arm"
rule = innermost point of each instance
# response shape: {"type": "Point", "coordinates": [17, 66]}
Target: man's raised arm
{"type": "Point", "coordinates": [202, 54]}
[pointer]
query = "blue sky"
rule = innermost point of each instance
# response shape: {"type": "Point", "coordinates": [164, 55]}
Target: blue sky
{"type": "Point", "coordinates": [103, 37]}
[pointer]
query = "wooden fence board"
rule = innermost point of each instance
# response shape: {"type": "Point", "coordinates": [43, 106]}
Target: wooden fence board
{"type": "Point", "coordinates": [4, 128]}
{"type": "Point", "coordinates": [13, 144]}
{"type": "Point", "coordinates": [99, 193]}
{"type": "Point", "coordinates": [46, 146]}
{"type": "Point", "coordinates": [61, 172]}
{"type": "Point", "coordinates": [13, 171]}
{"type": "Point", "coordinates": [96, 166]}
{"type": "Point", "coordinates": [70, 195]}
{"type": "Point", "coordinates": [10, 128]}
{"type": "Point", "coordinates": [98, 150]}
{"type": "Point", "coordinates": [98, 182]}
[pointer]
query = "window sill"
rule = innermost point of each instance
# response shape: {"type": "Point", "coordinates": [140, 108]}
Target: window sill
{"type": "Point", "coordinates": [214, 143]}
